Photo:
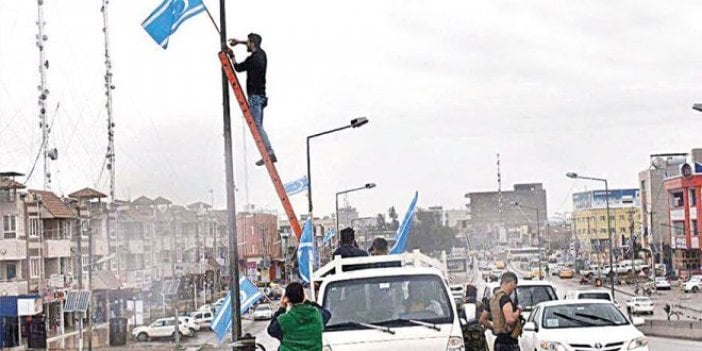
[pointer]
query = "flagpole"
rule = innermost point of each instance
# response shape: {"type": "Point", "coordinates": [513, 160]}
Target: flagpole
{"type": "Point", "coordinates": [231, 198]}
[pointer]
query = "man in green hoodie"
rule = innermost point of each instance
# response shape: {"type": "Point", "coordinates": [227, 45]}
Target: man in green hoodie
{"type": "Point", "coordinates": [299, 323]}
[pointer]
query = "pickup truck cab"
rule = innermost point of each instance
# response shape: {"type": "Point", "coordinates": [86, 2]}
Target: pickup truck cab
{"type": "Point", "coordinates": [404, 304]}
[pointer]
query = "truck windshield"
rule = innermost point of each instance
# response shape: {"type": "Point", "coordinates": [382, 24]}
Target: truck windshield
{"type": "Point", "coordinates": [532, 295]}
{"type": "Point", "coordinates": [388, 301]}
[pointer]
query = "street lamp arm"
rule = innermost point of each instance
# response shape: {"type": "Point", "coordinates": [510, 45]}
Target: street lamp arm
{"type": "Point", "coordinates": [351, 190]}
{"type": "Point", "coordinates": [328, 132]}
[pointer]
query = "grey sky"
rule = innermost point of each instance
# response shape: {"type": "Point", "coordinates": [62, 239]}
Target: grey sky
{"type": "Point", "coordinates": [554, 86]}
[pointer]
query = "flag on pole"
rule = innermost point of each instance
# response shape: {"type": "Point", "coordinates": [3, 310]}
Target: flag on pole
{"type": "Point", "coordinates": [328, 236]}
{"type": "Point", "coordinates": [403, 231]}
{"type": "Point", "coordinates": [168, 16]}
{"type": "Point", "coordinates": [297, 186]}
{"type": "Point", "coordinates": [248, 295]}
{"type": "Point", "coordinates": [305, 252]}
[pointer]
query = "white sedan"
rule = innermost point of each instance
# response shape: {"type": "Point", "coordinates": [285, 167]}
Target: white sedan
{"type": "Point", "coordinates": [263, 311]}
{"type": "Point", "coordinates": [639, 304]}
{"type": "Point", "coordinates": [568, 325]}
{"type": "Point", "coordinates": [662, 283]}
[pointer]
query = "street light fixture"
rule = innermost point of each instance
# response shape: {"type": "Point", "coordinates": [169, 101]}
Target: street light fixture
{"type": "Point", "coordinates": [609, 224]}
{"type": "Point", "coordinates": [538, 235]}
{"type": "Point", "coordinates": [367, 186]}
{"type": "Point", "coordinates": [354, 123]}
{"type": "Point", "coordinates": [697, 107]}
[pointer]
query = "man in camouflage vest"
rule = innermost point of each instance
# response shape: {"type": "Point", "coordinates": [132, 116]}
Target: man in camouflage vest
{"type": "Point", "coordinates": [473, 332]}
{"type": "Point", "coordinates": [505, 316]}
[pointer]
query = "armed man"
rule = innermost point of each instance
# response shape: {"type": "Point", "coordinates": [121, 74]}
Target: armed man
{"type": "Point", "coordinates": [503, 316]}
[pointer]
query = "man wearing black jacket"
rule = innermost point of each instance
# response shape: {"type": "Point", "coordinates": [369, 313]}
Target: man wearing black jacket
{"type": "Point", "coordinates": [347, 247]}
{"type": "Point", "coordinates": [255, 66]}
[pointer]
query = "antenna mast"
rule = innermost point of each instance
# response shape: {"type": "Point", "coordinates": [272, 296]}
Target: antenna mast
{"type": "Point", "coordinates": [500, 205]}
{"type": "Point", "coordinates": [43, 96]}
{"type": "Point", "coordinates": [110, 155]}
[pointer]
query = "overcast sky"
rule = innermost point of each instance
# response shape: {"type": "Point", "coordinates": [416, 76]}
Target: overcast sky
{"type": "Point", "coordinates": [553, 86]}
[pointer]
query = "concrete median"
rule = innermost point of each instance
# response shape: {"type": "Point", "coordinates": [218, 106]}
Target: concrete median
{"type": "Point", "coordinates": [673, 329]}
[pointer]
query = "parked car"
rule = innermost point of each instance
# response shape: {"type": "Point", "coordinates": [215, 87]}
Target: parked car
{"type": "Point", "coordinates": [161, 328]}
{"type": "Point", "coordinates": [662, 284]}
{"type": "Point", "coordinates": [639, 304]}
{"type": "Point", "coordinates": [203, 318]}
{"type": "Point", "coordinates": [581, 325]}
{"type": "Point", "coordinates": [596, 294]}
{"type": "Point", "coordinates": [190, 323]}
{"type": "Point", "coordinates": [263, 311]}
{"type": "Point", "coordinates": [694, 284]}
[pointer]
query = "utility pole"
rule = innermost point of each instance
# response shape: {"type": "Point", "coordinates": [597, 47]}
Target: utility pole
{"type": "Point", "coordinates": [79, 270]}
{"type": "Point", "coordinates": [632, 241]}
{"type": "Point", "coordinates": [173, 278]}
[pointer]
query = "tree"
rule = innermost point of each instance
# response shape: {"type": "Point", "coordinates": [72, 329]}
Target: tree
{"type": "Point", "coordinates": [394, 223]}
{"type": "Point", "coordinates": [380, 223]}
{"type": "Point", "coordinates": [429, 235]}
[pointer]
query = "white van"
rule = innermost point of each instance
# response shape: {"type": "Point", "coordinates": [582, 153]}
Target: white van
{"type": "Point", "coordinates": [404, 304]}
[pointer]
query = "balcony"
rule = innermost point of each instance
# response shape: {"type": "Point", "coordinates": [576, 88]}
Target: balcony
{"type": "Point", "coordinates": [13, 288]}
{"type": "Point", "coordinates": [57, 248]}
{"type": "Point", "coordinates": [677, 215]}
{"type": "Point", "coordinates": [13, 249]}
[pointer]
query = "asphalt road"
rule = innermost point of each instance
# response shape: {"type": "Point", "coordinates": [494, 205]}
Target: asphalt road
{"type": "Point", "coordinates": [661, 344]}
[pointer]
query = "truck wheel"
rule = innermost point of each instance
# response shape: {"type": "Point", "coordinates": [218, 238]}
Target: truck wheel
{"type": "Point", "coordinates": [143, 337]}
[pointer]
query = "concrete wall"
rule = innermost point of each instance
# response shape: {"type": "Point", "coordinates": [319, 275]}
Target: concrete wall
{"type": "Point", "coordinates": [673, 329]}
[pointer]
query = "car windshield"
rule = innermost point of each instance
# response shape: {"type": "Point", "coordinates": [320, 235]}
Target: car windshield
{"type": "Point", "coordinates": [387, 301]}
{"type": "Point", "coordinates": [532, 295]}
{"type": "Point", "coordinates": [582, 315]}
{"type": "Point", "coordinates": [642, 299]}
{"type": "Point", "coordinates": [594, 295]}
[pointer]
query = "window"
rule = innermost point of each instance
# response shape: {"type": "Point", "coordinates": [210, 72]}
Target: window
{"type": "Point", "coordinates": [622, 217]}
{"type": "Point", "coordinates": [10, 271]}
{"type": "Point", "coordinates": [9, 226]}
{"type": "Point", "coordinates": [676, 200]}
{"type": "Point", "coordinates": [34, 267]}
{"type": "Point", "coordinates": [34, 225]}
{"type": "Point", "coordinates": [692, 197]}
{"type": "Point", "coordinates": [622, 229]}
{"type": "Point", "coordinates": [85, 262]}
{"type": "Point", "coordinates": [602, 218]}
{"type": "Point", "coordinates": [64, 230]}
{"type": "Point", "coordinates": [693, 227]}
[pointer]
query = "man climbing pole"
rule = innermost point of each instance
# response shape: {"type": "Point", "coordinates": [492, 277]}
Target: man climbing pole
{"type": "Point", "coordinates": [255, 67]}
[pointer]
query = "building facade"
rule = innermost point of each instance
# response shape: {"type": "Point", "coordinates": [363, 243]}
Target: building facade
{"type": "Point", "coordinates": [683, 193]}
{"type": "Point", "coordinates": [589, 220]}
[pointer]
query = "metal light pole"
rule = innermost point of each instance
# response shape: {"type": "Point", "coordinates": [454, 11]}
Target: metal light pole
{"type": "Point", "coordinates": [367, 186]}
{"type": "Point", "coordinates": [609, 224]}
{"type": "Point", "coordinates": [355, 123]}
{"type": "Point", "coordinates": [538, 236]}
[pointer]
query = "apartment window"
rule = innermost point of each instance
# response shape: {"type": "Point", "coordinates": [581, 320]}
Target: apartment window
{"type": "Point", "coordinates": [692, 197]}
{"type": "Point", "coordinates": [676, 199]}
{"type": "Point", "coordinates": [64, 230]}
{"type": "Point", "coordinates": [85, 259]}
{"type": "Point", "coordinates": [34, 267]}
{"type": "Point", "coordinates": [34, 225]}
{"type": "Point", "coordinates": [602, 218]}
{"type": "Point", "coordinates": [622, 229]}
{"type": "Point", "coordinates": [693, 227]}
{"type": "Point", "coordinates": [9, 226]}
{"type": "Point", "coordinates": [603, 231]}
{"type": "Point", "coordinates": [622, 217]}
{"type": "Point", "coordinates": [10, 271]}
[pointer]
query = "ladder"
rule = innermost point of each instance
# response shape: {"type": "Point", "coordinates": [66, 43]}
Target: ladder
{"type": "Point", "coordinates": [270, 166]}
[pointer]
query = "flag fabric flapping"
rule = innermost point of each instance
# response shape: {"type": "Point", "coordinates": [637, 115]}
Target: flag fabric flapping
{"type": "Point", "coordinates": [248, 295]}
{"type": "Point", "coordinates": [167, 17]}
{"type": "Point", "coordinates": [297, 186]}
{"type": "Point", "coordinates": [328, 236]}
{"type": "Point", "coordinates": [402, 235]}
{"type": "Point", "coordinates": [305, 252]}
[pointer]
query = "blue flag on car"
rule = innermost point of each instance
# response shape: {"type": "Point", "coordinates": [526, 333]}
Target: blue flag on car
{"type": "Point", "coordinates": [297, 186]}
{"type": "Point", "coordinates": [248, 295]}
{"type": "Point", "coordinates": [328, 236]}
{"type": "Point", "coordinates": [402, 235]}
{"type": "Point", "coordinates": [168, 16]}
{"type": "Point", "coordinates": [305, 252]}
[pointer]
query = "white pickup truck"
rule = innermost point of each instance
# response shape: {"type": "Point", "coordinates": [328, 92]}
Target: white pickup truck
{"type": "Point", "coordinates": [389, 302]}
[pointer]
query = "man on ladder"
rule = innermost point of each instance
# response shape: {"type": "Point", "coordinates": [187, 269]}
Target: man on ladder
{"type": "Point", "coordinates": [255, 67]}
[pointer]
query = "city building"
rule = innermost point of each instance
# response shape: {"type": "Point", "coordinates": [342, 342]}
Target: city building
{"type": "Point", "coordinates": [491, 225]}
{"type": "Point", "coordinates": [589, 218]}
{"type": "Point", "coordinates": [260, 246]}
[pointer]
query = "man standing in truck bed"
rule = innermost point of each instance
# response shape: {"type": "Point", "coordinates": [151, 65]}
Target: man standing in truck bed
{"type": "Point", "coordinates": [255, 67]}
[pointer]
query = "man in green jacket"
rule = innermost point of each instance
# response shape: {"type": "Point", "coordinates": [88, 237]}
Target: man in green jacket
{"type": "Point", "coordinates": [298, 324]}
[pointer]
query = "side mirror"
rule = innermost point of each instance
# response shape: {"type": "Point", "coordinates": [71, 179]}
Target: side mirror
{"type": "Point", "coordinates": [530, 327]}
{"type": "Point", "coordinates": [470, 312]}
{"type": "Point", "coordinates": [638, 321]}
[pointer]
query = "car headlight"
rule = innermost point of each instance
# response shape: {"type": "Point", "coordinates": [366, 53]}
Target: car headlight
{"type": "Point", "coordinates": [552, 346]}
{"type": "Point", "coordinates": [637, 343]}
{"type": "Point", "coordinates": [455, 343]}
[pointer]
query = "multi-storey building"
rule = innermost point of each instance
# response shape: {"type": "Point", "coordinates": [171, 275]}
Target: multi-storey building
{"type": "Point", "coordinates": [260, 246]}
{"type": "Point", "coordinates": [589, 218]}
